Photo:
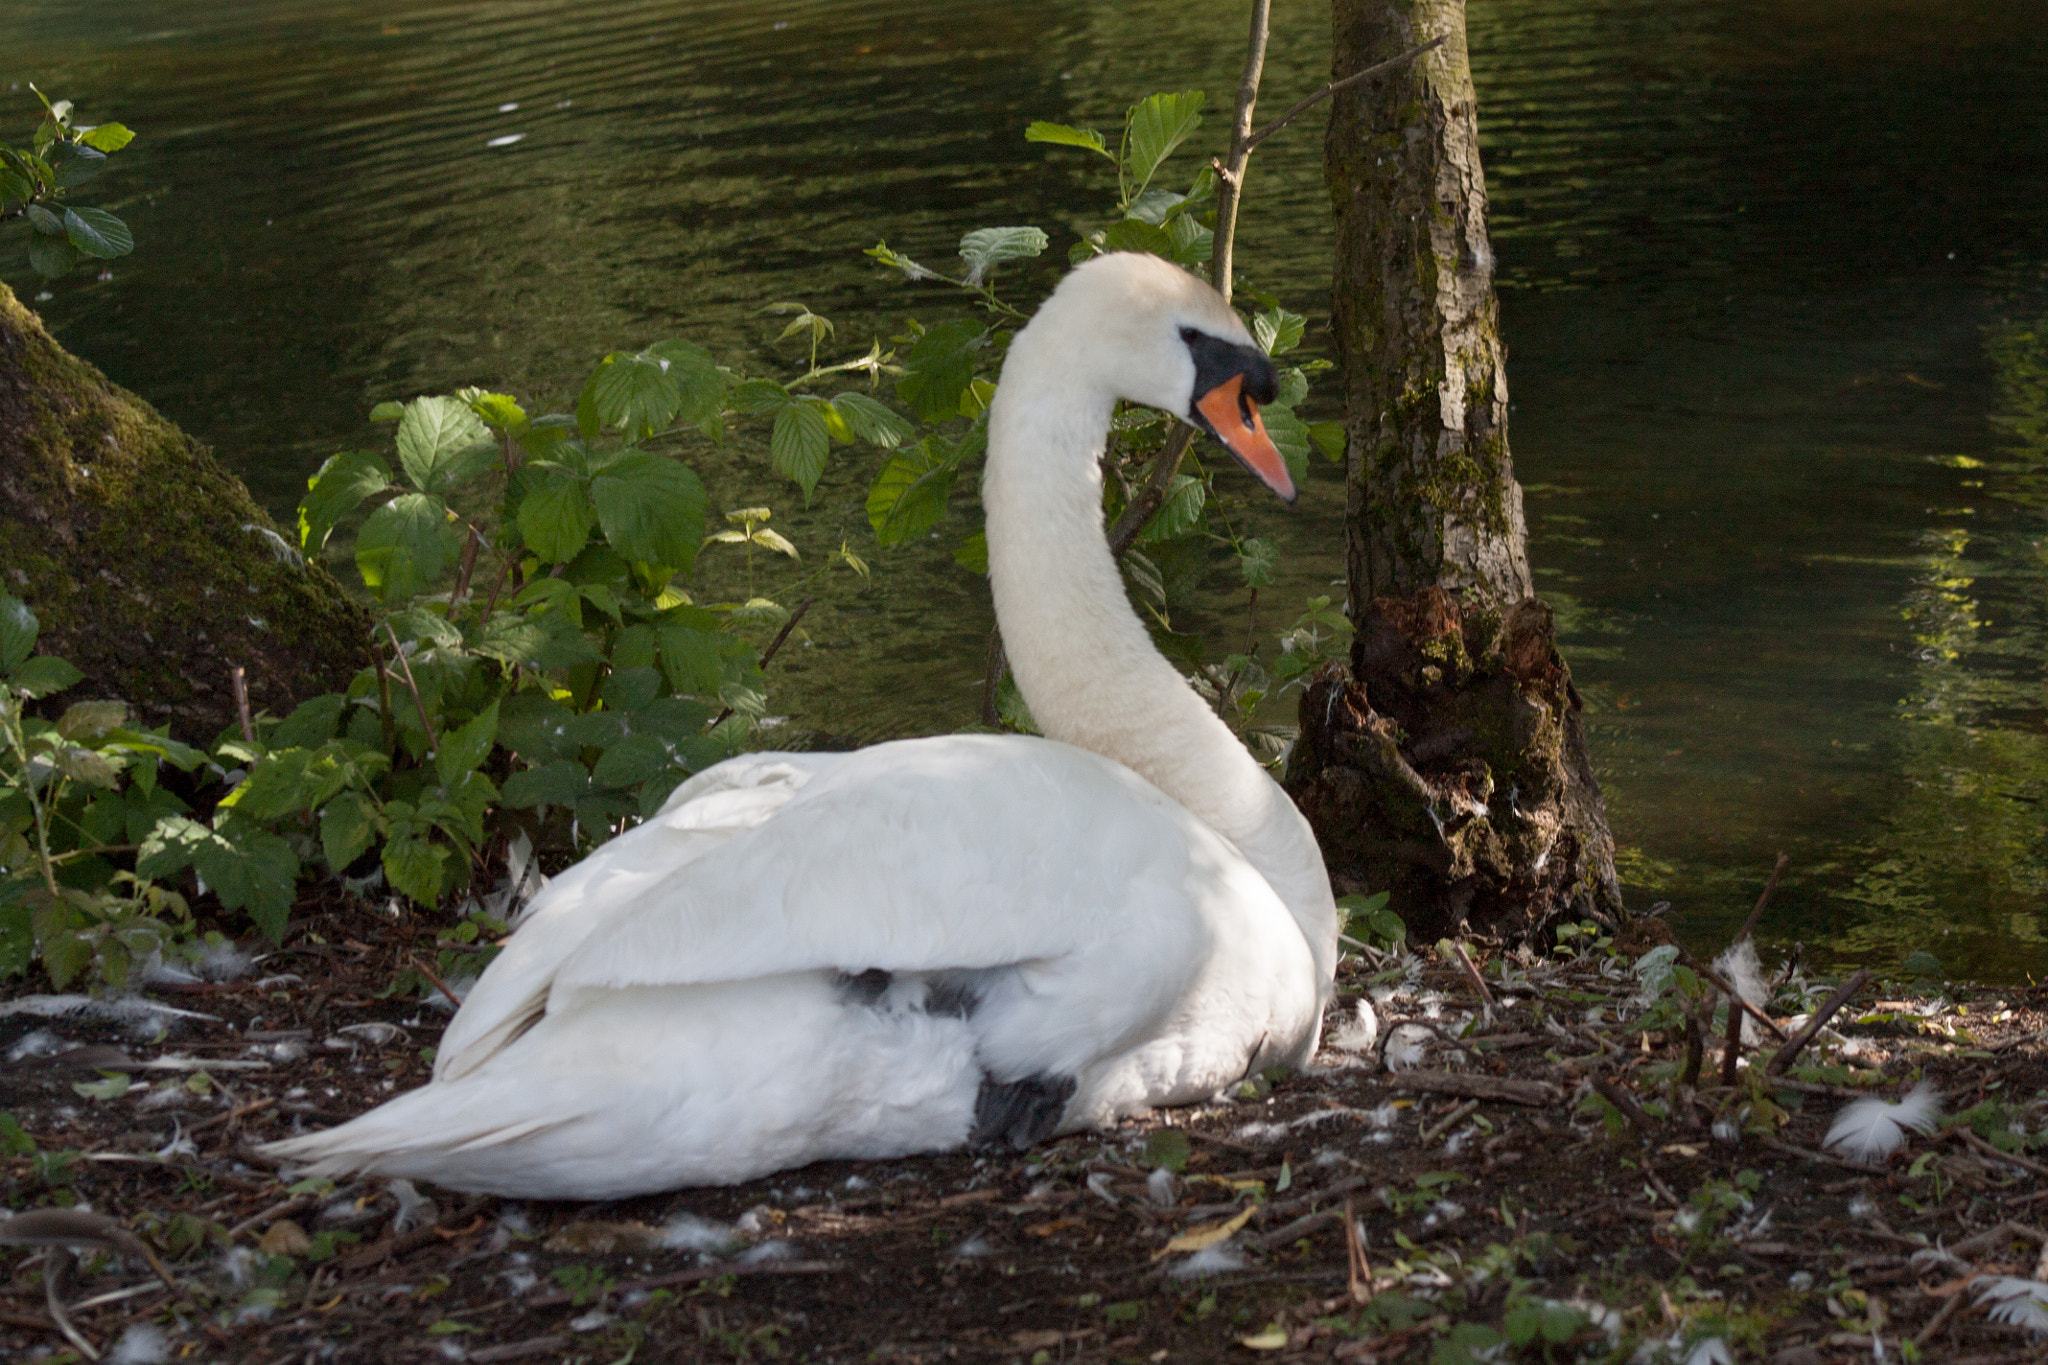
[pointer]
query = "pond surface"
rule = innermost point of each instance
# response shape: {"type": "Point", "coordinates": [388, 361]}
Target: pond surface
{"type": "Point", "coordinates": [1774, 280]}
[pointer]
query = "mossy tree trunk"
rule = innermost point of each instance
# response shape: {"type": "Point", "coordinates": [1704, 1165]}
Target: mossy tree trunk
{"type": "Point", "coordinates": [148, 564]}
{"type": "Point", "coordinates": [1449, 766]}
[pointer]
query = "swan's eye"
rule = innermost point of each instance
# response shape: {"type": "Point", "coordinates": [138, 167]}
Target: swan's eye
{"type": "Point", "coordinates": [1189, 335]}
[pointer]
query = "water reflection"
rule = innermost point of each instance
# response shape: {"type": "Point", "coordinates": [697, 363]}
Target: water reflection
{"type": "Point", "coordinates": [1771, 285]}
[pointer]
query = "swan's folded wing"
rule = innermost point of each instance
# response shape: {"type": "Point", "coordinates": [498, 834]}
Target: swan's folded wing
{"type": "Point", "coordinates": [961, 853]}
{"type": "Point", "coordinates": [708, 810]}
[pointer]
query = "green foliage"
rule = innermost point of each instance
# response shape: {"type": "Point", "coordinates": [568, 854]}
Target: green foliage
{"type": "Point", "coordinates": [1369, 920]}
{"type": "Point", "coordinates": [34, 181]}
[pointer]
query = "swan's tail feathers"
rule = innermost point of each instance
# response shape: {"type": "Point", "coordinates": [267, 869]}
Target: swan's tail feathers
{"type": "Point", "coordinates": [1020, 1112]}
{"type": "Point", "coordinates": [415, 1135]}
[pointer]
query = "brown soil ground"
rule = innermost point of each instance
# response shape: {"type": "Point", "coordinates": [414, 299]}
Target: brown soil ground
{"type": "Point", "coordinates": [1377, 1215]}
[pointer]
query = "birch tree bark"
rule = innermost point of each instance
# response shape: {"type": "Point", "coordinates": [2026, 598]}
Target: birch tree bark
{"type": "Point", "coordinates": [1449, 765]}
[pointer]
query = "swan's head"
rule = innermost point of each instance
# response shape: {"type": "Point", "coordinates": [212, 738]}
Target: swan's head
{"type": "Point", "coordinates": [1132, 326]}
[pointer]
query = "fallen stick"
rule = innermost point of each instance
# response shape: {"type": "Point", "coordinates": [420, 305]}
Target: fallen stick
{"type": "Point", "coordinates": [1814, 1025]}
{"type": "Point", "coordinates": [1620, 1099]}
{"type": "Point", "coordinates": [1538, 1094]}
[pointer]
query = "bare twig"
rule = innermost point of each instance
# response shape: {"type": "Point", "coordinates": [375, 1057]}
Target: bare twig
{"type": "Point", "coordinates": [776, 644]}
{"type": "Point", "coordinates": [1230, 175]}
{"type": "Point", "coordinates": [433, 741]}
{"type": "Point", "coordinates": [1994, 1154]}
{"type": "Point", "coordinates": [1814, 1025]}
{"type": "Point", "coordinates": [1334, 86]}
{"type": "Point", "coordinates": [1448, 1121]}
{"type": "Point", "coordinates": [1472, 975]}
{"type": "Point", "coordinates": [442, 986]}
{"type": "Point", "coordinates": [1621, 1100]}
{"type": "Point", "coordinates": [468, 567]}
{"type": "Point", "coordinates": [1714, 979]}
{"type": "Point", "coordinates": [1229, 189]}
{"type": "Point", "coordinates": [1749, 925]}
{"type": "Point", "coordinates": [240, 683]}
{"type": "Point", "coordinates": [1354, 1254]}
{"type": "Point", "coordinates": [283, 1209]}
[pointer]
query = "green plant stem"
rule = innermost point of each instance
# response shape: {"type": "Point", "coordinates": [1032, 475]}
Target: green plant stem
{"type": "Point", "coordinates": [18, 741]}
{"type": "Point", "coordinates": [433, 741]}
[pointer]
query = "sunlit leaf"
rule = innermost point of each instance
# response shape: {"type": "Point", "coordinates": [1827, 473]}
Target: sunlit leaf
{"type": "Point", "coordinates": [405, 546]}
{"type": "Point", "coordinates": [1278, 331]}
{"type": "Point", "coordinates": [1329, 438]}
{"type": "Point", "coordinates": [337, 488]}
{"type": "Point", "coordinates": [799, 445]}
{"type": "Point", "coordinates": [985, 248]}
{"type": "Point", "coordinates": [1290, 437]}
{"type": "Point", "coordinates": [466, 748]}
{"type": "Point", "coordinates": [870, 420]}
{"type": "Point", "coordinates": [1066, 136]}
{"type": "Point", "coordinates": [441, 443]}
{"type": "Point", "coordinates": [1158, 125]}
{"type": "Point", "coordinates": [18, 631]}
{"type": "Point", "coordinates": [909, 496]}
{"type": "Point", "coordinates": [107, 137]}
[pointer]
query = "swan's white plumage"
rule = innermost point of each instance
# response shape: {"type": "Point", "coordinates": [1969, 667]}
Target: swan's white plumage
{"type": "Point", "coordinates": [1139, 909]}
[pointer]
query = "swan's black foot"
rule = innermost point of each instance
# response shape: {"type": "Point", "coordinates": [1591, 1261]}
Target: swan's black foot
{"type": "Point", "coordinates": [1020, 1112]}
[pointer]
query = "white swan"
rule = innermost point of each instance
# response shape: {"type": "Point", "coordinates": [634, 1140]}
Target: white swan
{"type": "Point", "coordinates": [933, 941]}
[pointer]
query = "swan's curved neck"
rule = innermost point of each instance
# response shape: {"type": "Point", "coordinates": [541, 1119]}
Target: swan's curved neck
{"type": "Point", "coordinates": [1082, 658]}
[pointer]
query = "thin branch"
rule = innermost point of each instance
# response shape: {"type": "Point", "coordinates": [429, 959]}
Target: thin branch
{"type": "Point", "coordinates": [1733, 1056]}
{"type": "Point", "coordinates": [1334, 86]}
{"type": "Point", "coordinates": [776, 644]}
{"type": "Point", "coordinates": [1814, 1025]}
{"type": "Point", "coordinates": [1230, 176]}
{"type": "Point", "coordinates": [442, 986]}
{"type": "Point", "coordinates": [241, 686]}
{"type": "Point", "coordinates": [1749, 925]}
{"type": "Point", "coordinates": [433, 741]}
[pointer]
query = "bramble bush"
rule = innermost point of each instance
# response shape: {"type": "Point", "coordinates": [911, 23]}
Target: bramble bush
{"type": "Point", "coordinates": [540, 665]}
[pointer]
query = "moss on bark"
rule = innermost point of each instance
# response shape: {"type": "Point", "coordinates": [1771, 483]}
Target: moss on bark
{"type": "Point", "coordinates": [149, 565]}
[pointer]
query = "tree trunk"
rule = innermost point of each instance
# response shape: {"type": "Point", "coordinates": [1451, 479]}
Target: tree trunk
{"type": "Point", "coordinates": [1450, 766]}
{"type": "Point", "coordinates": [149, 565]}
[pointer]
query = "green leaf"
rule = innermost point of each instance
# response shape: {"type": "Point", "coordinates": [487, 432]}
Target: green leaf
{"type": "Point", "coordinates": [441, 444]}
{"type": "Point", "coordinates": [1065, 136]}
{"type": "Point", "coordinates": [337, 488]}
{"type": "Point", "coordinates": [110, 1087]}
{"type": "Point", "coordinates": [107, 137]}
{"type": "Point", "coordinates": [909, 496]}
{"type": "Point", "coordinates": [387, 411]}
{"type": "Point", "coordinates": [45, 220]}
{"type": "Point", "coordinates": [51, 257]}
{"type": "Point", "coordinates": [89, 722]}
{"type": "Point", "coordinates": [632, 761]}
{"type": "Point", "coordinates": [17, 946]}
{"type": "Point", "coordinates": [1157, 125]}
{"type": "Point", "coordinates": [799, 445]}
{"type": "Point", "coordinates": [347, 827]}
{"type": "Point", "coordinates": [696, 376]}
{"type": "Point", "coordinates": [872, 422]}
{"type": "Point", "coordinates": [634, 395]}
{"type": "Point", "coordinates": [985, 248]}
{"type": "Point", "coordinates": [693, 660]}
{"type": "Point", "coordinates": [256, 871]}
{"type": "Point", "coordinates": [1328, 437]}
{"type": "Point", "coordinates": [1259, 561]}
{"type": "Point", "coordinates": [971, 554]}
{"type": "Point", "coordinates": [651, 509]}
{"type": "Point", "coordinates": [1132, 235]}
{"type": "Point", "coordinates": [312, 722]}
{"type": "Point", "coordinates": [95, 232]}
{"type": "Point", "coordinates": [939, 367]}
{"type": "Point", "coordinates": [18, 631]}
{"type": "Point", "coordinates": [560, 783]}
{"type": "Point", "coordinates": [76, 165]}
{"type": "Point", "coordinates": [466, 749]}
{"type": "Point", "coordinates": [759, 397]}
{"type": "Point", "coordinates": [43, 675]}
{"type": "Point", "coordinates": [1179, 513]}
{"type": "Point", "coordinates": [405, 545]}
{"type": "Point", "coordinates": [555, 515]}
{"type": "Point", "coordinates": [1290, 437]}
{"type": "Point", "coordinates": [414, 867]}
{"type": "Point", "coordinates": [1278, 331]}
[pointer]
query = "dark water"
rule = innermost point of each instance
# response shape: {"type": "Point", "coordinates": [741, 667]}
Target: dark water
{"type": "Point", "coordinates": [1774, 279]}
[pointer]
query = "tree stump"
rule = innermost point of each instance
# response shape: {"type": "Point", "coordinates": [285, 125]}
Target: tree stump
{"type": "Point", "coordinates": [149, 565]}
{"type": "Point", "coordinates": [1448, 768]}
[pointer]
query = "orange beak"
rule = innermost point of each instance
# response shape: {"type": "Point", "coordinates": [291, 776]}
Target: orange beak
{"type": "Point", "coordinates": [1234, 418]}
